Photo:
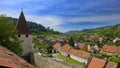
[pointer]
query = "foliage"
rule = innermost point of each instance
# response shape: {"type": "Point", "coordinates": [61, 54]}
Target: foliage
{"type": "Point", "coordinates": [39, 46]}
{"type": "Point", "coordinates": [71, 41]}
{"type": "Point", "coordinates": [49, 49]}
{"type": "Point", "coordinates": [8, 35]}
{"type": "Point", "coordinates": [74, 61]}
{"type": "Point", "coordinates": [60, 56]}
{"type": "Point", "coordinates": [114, 59]}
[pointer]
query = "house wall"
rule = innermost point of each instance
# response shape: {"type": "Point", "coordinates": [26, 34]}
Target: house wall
{"type": "Point", "coordinates": [64, 54]}
{"type": "Point", "coordinates": [26, 43]}
{"type": "Point", "coordinates": [78, 59]}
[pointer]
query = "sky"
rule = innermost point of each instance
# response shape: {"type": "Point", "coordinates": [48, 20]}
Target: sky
{"type": "Point", "coordinates": [65, 15]}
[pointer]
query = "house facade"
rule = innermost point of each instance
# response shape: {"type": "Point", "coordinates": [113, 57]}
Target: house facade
{"type": "Point", "coordinates": [79, 55]}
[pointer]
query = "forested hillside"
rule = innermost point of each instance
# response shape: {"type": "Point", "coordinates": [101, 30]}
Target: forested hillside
{"type": "Point", "coordinates": [108, 33]}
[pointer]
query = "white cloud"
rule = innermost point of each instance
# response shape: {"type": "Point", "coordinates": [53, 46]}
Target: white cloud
{"type": "Point", "coordinates": [100, 18]}
{"type": "Point", "coordinates": [54, 22]}
{"type": "Point", "coordinates": [48, 21]}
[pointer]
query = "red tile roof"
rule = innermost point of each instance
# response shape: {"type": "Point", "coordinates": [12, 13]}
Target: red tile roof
{"type": "Point", "coordinates": [111, 65]}
{"type": "Point", "coordinates": [96, 63]}
{"type": "Point", "coordinates": [80, 53]}
{"type": "Point", "coordinates": [65, 48]}
{"type": "Point", "coordinates": [9, 59]}
{"type": "Point", "coordinates": [111, 49]}
{"type": "Point", "coordinates": [57, 45]}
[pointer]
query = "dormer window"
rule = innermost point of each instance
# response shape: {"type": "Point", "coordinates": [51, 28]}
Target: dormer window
{"type": "Point", "coordinates": [26, 35]}
{"type": "Point", "coordinates": [18, 35]}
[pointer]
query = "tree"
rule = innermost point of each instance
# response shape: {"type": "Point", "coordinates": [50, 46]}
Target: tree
{"type": "Point", "coordinates": [8, 34]}
{"type": "Point", "coordinates": [71, 41]}
{"type": "Point", "coordinates": [114, 59]}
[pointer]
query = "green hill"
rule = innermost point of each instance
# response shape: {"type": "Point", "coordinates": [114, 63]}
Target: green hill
{"type": "Point", "coordinates": [108, 33]}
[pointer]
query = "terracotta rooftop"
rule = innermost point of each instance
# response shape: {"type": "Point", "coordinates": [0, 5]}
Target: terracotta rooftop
{"type": "Point", "coordinates": [57, 45]}
{"type": "Point", "coordinates": [108, 48]}
{"type": "Point", "coordinates": [79, 53]}
{"type": "Point", "coordinates": [96, 63]}
{"type": "Point", "coordinates": [65, 48]}
{"type": "Point", "coordinates": [111, 49]}
{"type": "Point", "coordinates": [10, 60]}
{"type": "Point", "coordinates": [111, 65]}
{"type": "Point", "coordinates": [21, 25]}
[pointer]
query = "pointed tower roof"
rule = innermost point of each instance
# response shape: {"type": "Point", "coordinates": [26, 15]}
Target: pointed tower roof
{"type": "Point", "coordinates": [21, 25]}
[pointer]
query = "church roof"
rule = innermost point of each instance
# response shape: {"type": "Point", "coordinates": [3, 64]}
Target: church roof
{"type": "Point", "coordinates": [21, 25]}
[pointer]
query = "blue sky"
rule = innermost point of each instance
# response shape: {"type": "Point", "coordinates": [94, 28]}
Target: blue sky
{"type": "Point", "coordinates": [65, 15]}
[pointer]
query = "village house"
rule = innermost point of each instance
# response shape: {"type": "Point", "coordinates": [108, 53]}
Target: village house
{"type": "Point", "coordinates": [111, 65]}
{"type": "Point", "coordinates": [65, 49]}
{"type": "Point", "coordinates": [101, 63]}
{"type": "Point", "coordinates": [111, 50]}
{"type": "Point", "coordinates": [116, 39]}
{"type": "Point", "coordinates": [95, 48]}
{"type": "Point", "coordinates": [79, 55]}
{"type": "Point", "coordinates": [56, 47]}
{"type": "Point", "coordinates": [96, 63]}
{"type": "Point", "coordinates": [81, 46]}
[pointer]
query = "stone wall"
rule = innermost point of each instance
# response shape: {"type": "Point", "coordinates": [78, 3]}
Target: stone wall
{"type": "Point", "coordinates": [42, 62]}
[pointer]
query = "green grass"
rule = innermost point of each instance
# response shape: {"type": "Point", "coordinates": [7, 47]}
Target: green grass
{"type": "Point", "coordinates": [69, 60]}
{"type": "Point", "coordinates": [73, 61]}
{"type": "Point", "coordinates": [61, 57]}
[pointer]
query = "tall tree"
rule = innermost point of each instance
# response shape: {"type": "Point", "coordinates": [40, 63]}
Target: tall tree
{"type": "Point", "coordinates": [8, 37]}
{"type": "Point", "coordinates": [71, 41]}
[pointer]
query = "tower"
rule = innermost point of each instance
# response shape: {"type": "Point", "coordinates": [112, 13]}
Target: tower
{"type": "Point", "coordinates": [24, 35]}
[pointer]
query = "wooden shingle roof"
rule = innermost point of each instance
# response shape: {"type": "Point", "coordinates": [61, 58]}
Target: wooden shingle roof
{"type": "Point", "coordinates": [21, 25]}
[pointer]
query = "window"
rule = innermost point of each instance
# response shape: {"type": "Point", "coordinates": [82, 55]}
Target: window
{"type": "Point", "coordinates": [26, 35]}
{"type": "Point", "coordinates": [18, 35]}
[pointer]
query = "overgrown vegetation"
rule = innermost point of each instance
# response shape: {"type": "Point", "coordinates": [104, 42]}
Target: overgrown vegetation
{"type": "Point", "coordinates": [8, 34]}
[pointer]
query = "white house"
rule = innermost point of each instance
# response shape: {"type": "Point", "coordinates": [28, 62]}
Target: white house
{"type": "Point", "coordinates": [79, 55]}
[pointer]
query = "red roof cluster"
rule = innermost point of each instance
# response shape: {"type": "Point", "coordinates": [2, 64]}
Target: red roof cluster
{"type": "Point", "coordinates": [79, 53]}
{"type": "Point", "coordinates": [11, 60]}
{"type": "Point", "coordinates": [111, 49]}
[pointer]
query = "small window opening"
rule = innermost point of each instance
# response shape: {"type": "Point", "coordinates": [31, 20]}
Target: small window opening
{"type": "Point", "coordinates": [26, 35]}
{"type": "Point", "coordinates": [18, 35]}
